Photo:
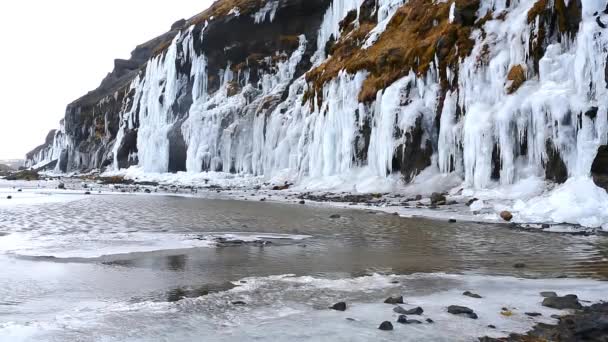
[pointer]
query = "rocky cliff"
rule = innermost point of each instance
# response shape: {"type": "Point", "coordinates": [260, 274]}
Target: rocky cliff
{"type": "Point", "coordinates": [490, 91]}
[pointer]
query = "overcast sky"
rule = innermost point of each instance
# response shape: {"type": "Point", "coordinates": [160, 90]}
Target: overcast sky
{"type": "Point", "coordinates": [55, 51]}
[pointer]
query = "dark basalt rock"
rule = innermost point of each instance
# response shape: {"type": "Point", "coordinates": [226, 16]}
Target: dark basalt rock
{"type": "Point", "coordinates": [587, 325]}
{"type": "Point", "coordinates": [438, 199]}
{"type": "Point", "coordinates": [462, 311]}
{"type": "Point", "coordinates": [533, 314]}
{"type": "Point", "coordinates": [394, 300]}
{"type": "Point", "coordinates": [386, 326]}
{"type": "Point", "coordinates": [341, 306]}
{"type": "Point", "coordinates": [403, 320]}
{"type": "Point", "coordinates": [239, 303]}
{"type": "Point", "coordinates": [472, 295]}
{"type": "Point", "coordinates": [562, 303]}
{"type": "Point", "coordinates": [403, 311]}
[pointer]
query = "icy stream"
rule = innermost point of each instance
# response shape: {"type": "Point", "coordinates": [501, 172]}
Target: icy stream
{"type": "Point", "coordinates": [151, 267]}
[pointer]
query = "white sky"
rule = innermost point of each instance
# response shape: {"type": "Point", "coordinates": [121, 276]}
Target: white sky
{"type": "Point", "coordinates": [54, 51]}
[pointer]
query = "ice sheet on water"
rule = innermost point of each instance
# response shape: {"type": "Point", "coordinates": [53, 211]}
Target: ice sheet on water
{"type": "Point", "coordinates": [286, 308]}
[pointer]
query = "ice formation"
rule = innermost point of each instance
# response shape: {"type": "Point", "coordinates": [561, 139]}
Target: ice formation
{"type": "Point", "coordinates": [487, 133]}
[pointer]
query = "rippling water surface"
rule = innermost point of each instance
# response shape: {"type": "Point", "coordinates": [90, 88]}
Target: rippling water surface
{"type": "Point", "coordinates": [108, 264]}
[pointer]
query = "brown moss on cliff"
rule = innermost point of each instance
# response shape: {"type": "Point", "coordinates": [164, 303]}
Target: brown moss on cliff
{"type": "Point", "coordinates": [419, 31]}
{"type": "Point", "coordinates": [515, 78]}
{"type": "Point", "coordinates": [223, 7]}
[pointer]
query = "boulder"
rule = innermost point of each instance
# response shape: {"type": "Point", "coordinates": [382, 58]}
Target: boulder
{"type": "Point", "coordinates": [471, 294]}
{"type": "Point", "coordinates": [462, 311]}
{"type": "Point", "coordinates": [341, 306]}
{"type": "Point", "coordinates": [403, 320]}
{"type": "Point", "coordinates": [386, 326]}
{"type": "Point", "coordinates": [506, 215]}
{"type": "Point", "coordinates": [415, 311]}
{"type": "Point", "coordinates": [394, 300]}
{"type": "Point", "coordinates": [533, 314]}
{"type": "Point", "coordinates": [438, 199]}
{"type": "Point", "coordinates": [562, 303]}
{"type": "Point", "coordinates": [547, 294]}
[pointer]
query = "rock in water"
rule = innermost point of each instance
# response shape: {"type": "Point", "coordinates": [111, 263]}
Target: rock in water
{"type": "Point", "coordinates": [562, 303]}
{"type": "Point", "coordinates": [400, 310]}
{"type": "Point", "coordinates": [341, 306]}
{"type": "Point", "coordinates": [471, 294]}
{"type": "Point", "coordinates": [335, 216]}
{"type": "Point", "coordinates": [403, 320]}
{"type": "Point", "coordinates": [61, 186]}
{"type": "Point", "coordinates": [239, 303]}
{"type": "Point", "coordinates": [533, 314]}
{"type": "Point", "coordinates": [394, 300]}
{"type": "Point", "coordinates": [506, 215]}
{"type": "Point", "coordinates": [386, 326]}
{"type": "Point", "coordinates": [462, 311]}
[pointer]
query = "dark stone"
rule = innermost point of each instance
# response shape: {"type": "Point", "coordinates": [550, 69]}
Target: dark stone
{"type": "Point", "coordinates": [262, 200]}
{"type": "Point", "coordinates": [61, 186]}
{"type": "Point", "coordinates": [403, 320]}
{"type": "Point", "coordinates": [386, 326]}
{"type": "Point", "coordinates": [589, 324]}
{"type": "Point", "coordinates": [239, 303]}
{"type": "Point", "coordinates": [599, 168]}
{"type": "Point", "coordinates": [335, 216]}
{"type": "Point", "coordinates": [462, 311]}
{"type": "Point", "coordinates": [400, 310]}
{"type": "Point", "coordinates": [148, 191]}
{"type": "Point", "coordinates": [394, 300]}
{"type": "Point", "coordinates": [428, 320]}
{"type": "Point", "coordinates": [592, 112]}
{"type": "Point", "coordinates": [562, 303]}
{"type": "Point", "coordinates": [87, 193]}
{"type": "Point", "coordinates": [302, 202]}
{"type": "Point", "coordinates": [600, 23]}
{"type": "Point", "coordinates": [9, 197]}
{"type": "Point", "coordinates": [472, 295]}
{"type": "Point", "coordinates": [414, 154]}
{"type": "Point", "coordinates": [438, 199]}
{"type": "Point", "coordinates": [471, 201]}
{"type": "Point", "coordinates": [533, 314]}
{"type": "Point", "coordinates": [519, 265]}
{"type": "Point", "coordinates": [341, 306]}
{"type": "Point", "coordinates": [452, 220]}
{"type": "Point", "coordinates": [555, 168]}
{"type": "Point", "coordinates": [491, 326]}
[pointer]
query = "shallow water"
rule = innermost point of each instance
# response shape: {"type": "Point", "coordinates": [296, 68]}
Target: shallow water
{"type": "Point", "coordinates": [110, 265]}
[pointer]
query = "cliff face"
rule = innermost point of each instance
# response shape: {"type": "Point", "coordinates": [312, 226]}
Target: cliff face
{"type": "Point", "coordinates": [493, 91]}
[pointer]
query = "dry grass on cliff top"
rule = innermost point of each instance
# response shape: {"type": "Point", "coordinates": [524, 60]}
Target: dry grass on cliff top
{"type": "Point", "coordinates": [223, 7]}
{"type": "Point", "coordinates": [416, 33]}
